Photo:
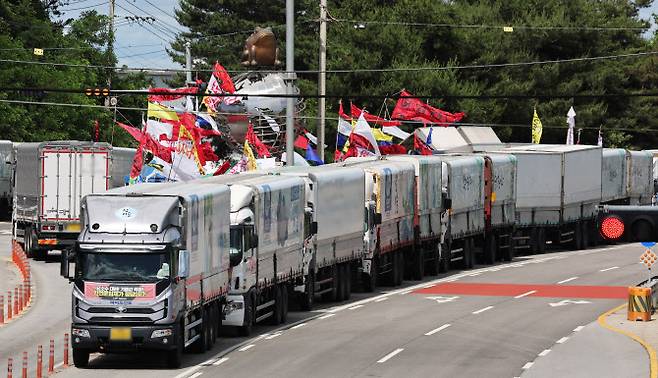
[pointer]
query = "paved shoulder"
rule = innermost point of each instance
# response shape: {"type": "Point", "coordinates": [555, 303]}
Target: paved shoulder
{"type": "Point", "coordinates": [593, 351]}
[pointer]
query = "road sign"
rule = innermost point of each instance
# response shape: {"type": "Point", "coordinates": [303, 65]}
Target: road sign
{"type": "Point", "coordinates": [648, 258]}
{"type": "Point", "coordinates": [566, 302]}
{"type": "Point", "coordinates": [648, 244]}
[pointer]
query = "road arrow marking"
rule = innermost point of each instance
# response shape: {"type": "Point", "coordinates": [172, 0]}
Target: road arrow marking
{"type": "Point", "coordinates": [442, 299]}
{"type": "Point", "coordinates": [566, 302]}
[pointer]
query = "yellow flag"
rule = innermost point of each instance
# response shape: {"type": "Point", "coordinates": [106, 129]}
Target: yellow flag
{"type": "Point", "coordinates": [380, 136]}
{"type": "Point", "coordinates": [162, 112]}
{"type": "Point", "coordinates": [536, 128]}
{"type": "Point", "coordinates": [251, 160]}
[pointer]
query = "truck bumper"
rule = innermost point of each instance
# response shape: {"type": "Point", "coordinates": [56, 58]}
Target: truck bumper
{"type": "Point", "coordinates": [234, 311]}
{"type": "Point", "coordinates": [100, 339]}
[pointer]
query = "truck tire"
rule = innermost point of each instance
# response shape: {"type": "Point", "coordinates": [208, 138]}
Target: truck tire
{"type": "Point", "coordinates": [332, 295]}
{"type": "Point", "coordinates": [284, 308]}
{"type": "Point", "coordinates": [275, 319]}
{"type": "Point", "coordinates": [585, 235]}
{"type": "Point", "coordinates": [577, 237]}
{"type": "Point", "coordinates": [202, 344]}
{"type": "Point", "coordinates": [370, 280]}
{"type": "Point", "coordinates": [340, 283]}
{"type": "Point", "coordinates": [419, 264]}
{"type": "Point", "coordinates": [27, 241]}
{"type": "Point", "coordinates": [541, 240]}
{"type": "Point", "coordinates": [212, 326]}
{"type": "Point", "coordinates": [490, 249]}
{"type": "Point", "coordinates": [247, 323]}
{"type": "Point", "coordinates": [435, 264]}
{"type": "Point", "coordinates": [307, 298]}
{"type": "Point", "coordinates": [508, 252]}
{"type": "Point", "coordinates": [467, 253]}
{"type": "Point", "coordinates": [446, 256]}
{"type": "Point", "coordinates": [400, 278]}
{"type": "Point", "coordinates": [175, 356]}
{"type": "Point", "coordinates": [80, 358]}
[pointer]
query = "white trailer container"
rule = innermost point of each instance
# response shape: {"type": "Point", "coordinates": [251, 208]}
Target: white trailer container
{"type": "Point", "coordinates": [51, 180]}
{"type": "Point", "coordinates": [122, 161]}
{"type": "Point", "coordinates": [335, 200]}
{"type": "Point", "coordinates": [152, 270]}
{"type": "Point", "coordinates": [613, 175]}
{"type": "Point", "coordinates": [640, 177]}
{"type": "Point", "coordinates": [389, 194]}
{"type": "Point", "coordinates": [427, 218]}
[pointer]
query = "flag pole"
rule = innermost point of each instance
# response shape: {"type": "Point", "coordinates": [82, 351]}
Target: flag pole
{"type": "Point", "coordinates": [290, 77]}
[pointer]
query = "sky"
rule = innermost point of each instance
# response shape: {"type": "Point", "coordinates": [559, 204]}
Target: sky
{"type": "Point", "coordinates": [144, 45]}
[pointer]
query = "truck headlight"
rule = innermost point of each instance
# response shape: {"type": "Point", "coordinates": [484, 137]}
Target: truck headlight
{"type": "Point", "coordinates": [161, 333]}
{"type": "Point", "coordinates": [80, 332]}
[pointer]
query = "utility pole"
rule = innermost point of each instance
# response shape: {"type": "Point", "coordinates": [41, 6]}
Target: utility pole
{"type": "Point", "coordinates": [290, 77]}
{"type": "Point", "coordinates": [110, 44]}
{"type": "Point", "coordinates": [322, 79]}
{"type": "Point", "coordinates": [188, 73]}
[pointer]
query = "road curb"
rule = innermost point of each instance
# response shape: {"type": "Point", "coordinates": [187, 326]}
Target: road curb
{"type": "Point", "coordinates": [653, 360]}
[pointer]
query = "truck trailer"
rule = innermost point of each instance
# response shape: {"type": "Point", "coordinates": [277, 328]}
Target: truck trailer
{"type": "Point", "coordinates": [151, 270]}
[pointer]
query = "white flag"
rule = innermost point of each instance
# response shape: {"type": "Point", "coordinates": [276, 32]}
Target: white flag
{"type": "Point", "coordinates": [362, 128]}
{"type": "Point", "coordinates": [571, 121]}
{"type": "Point", "coordinates": [155, 129]}
{"type": "Point", "coordinates": [600, 140]}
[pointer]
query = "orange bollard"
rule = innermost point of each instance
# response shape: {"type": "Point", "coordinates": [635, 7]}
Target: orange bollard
{"type": "Point", "coordinates": [8, 304]}
{"type": "Point", "coordinates": [639, 304]}
{"type": "Point", "coordinates": [2, 309]}
{"type": "Point", "coordinates": [10, 367]}
{"type": "Point", "coordinates": [26, 298]}
{"type": "Point", "coordinates": [20, 298]}
{"type": "Point", "coordinates": [24, 372]}
{"type": "Point", "coordinates": [39, 361]}
{"type": "Point", "coordinates": [66, 350]}
{"type": "Point", "coordinates": [16, 301]}
{"type": "Point", "coordinates": [51, 357]}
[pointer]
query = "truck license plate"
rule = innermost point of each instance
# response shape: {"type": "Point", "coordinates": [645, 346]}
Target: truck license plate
{"type": "Point", "coordinates": [120, 334]}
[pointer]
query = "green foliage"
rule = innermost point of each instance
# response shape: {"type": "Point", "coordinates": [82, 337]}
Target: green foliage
{"type": "Point", "coordinates": [385, 46]}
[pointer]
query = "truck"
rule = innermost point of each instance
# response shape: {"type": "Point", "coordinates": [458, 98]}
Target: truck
{"type": "Point", "coordinates": [122, 162]}
{"type": "Point", "coordinates": [151, 270]}
{"type": "Point", "coordinates": [6, 177]}
{"type": "Point", "coordinates": [640, 177]}
{"type": "Point", "coordinates": [267, 254]}
{"type": "Point", "coordinates": [389, 203]}
{"type": "Point", "coordinates": [51, 178]}
{"type": "Point", "coordinates": [334, 213]}
{"type": "Point", "coordinates": [614, 172]}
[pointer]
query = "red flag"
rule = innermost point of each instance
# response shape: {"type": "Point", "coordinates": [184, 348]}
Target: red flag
{"type": "Point", "coordinates": [166, 94]}
{"type": "Point", "coordinates": [223, 168]}
{"type": "Point", "coordinates": [338, 156]}
{"type": "Point", "coordinates": [356, 112]}
{"type": "Point", "coordinates": [133, 131]}
{"type": "Point", "coordinates": [414, 109]}
{"type": "Point", "coordinates": [226, 83]}
{"type": "Point", "coordinates": [341, 112]}
{"type": "Point", "coordinates": [421, 147]}
{"type": "Point", "coordinates": [301, 142]}
{"type": "Point", "coordinates": [138, 162]}
{"type": "Point", "coordinates": [252, 138]}
{"type": "Point", "coordinates": [146, 142]}
{"type": "Point", "coordinates": [394, 149]}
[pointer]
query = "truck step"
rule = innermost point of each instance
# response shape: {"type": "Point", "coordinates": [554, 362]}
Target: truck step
{"type": "Point", "coordinates": [326, 280]}
{"type": "Point", "coordinates": [264, 316]}
{"type": "Point", "coordinates": [193, 324]}
{"type": "Point", "coordinates": [320, 292]}
{"type": "Point", "coordinates": [265, 305]}
{"type": "Point", "coordinates": [192, 340]}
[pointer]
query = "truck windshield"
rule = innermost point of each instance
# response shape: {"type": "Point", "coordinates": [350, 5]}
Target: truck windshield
{"type": "Point", "coordinates": [136, 267]}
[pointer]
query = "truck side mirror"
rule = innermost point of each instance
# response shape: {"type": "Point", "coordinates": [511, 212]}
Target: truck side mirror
{"type": "Point", "coordinates": [254, 241]}
{"type": "Point", "coordinates": [235, 258]}
{"type": "Point", "coordinates": [378, 218]}
{"type": "Point", "coordinates": [64, 264]}
{"type": "Point", "coordinates": [314, 228]}
{"type": "Point", "coordinates": [447, 203]}
{"type": "Point", "coordinates": [183, 263]}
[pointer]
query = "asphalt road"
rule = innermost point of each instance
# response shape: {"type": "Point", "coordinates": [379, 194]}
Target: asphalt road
{"type": "Point", "coordinates": [409, 331]}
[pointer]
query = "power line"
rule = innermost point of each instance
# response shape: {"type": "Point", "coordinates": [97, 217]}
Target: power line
{"type": "Point", "coordinates": [143, 26]}
{"type": "Point", "coordinates": [358, 70]}
{"type": "Point", "coordinates": [168, 26]}
{"type": "Point", "coordinates": [140, 54]}
{"type": "Point", "coordinates": [506, 28]}
{"type": "Point", "coordinates": [86, 7]}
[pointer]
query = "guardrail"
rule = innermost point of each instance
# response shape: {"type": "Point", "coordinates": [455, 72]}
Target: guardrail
{"type": "Point", "coordinates": [652, 283]}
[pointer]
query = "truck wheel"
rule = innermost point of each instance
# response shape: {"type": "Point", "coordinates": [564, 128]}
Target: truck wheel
{"type": "Point", "coordinates": [175, 357]}
{"type": "Point", "coordinates": [27, 242]}
{"type": "Point", "coordinates": [340, 284]}
{"type": "Point", "coordinates": [541, 241]}
{"type": "Point", "coordinates": [275, 319]}
{"type": "Point", "coordinates": [466, 252]}
{"type": "Point", "coordinates": [247, 323]}
{"type": "Point", "coordinates": [419, 268]}
{"type": "Point", "coordinates": [332, 295]}
{"type": "Point", "coordinates": [446, 255]}
{"type": "Point", "coordinates": [508, 252]}
{"type": "Point", "coordinates": [80, 358]}
{"type": "Point", "coordinates": [306, 299]}
{"type": "Point", "coordinates": [577, 237]}
{"type": "Point", "coordinates": [284, 308]}
{"type": "Point", "coordinates": [202, 344]}
{"type": "Point", "coordinates": [370, 280]}
{"type": "Point", "coordinates": [212, 327]}
{"type": "Point", "coordinates": [585, 232]}
{"type": "Point", "coordinates": [490, 249]}
{"type": "Point", "coordinates": [400, 278]}
{"type": "Point", "coordinates": [435, 264]}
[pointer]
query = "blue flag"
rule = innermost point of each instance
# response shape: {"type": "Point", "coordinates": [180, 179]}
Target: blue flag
{"type": "Point", "coordinates": [429, 137]}
{"type": "Point", "coordinates": [312, 156]}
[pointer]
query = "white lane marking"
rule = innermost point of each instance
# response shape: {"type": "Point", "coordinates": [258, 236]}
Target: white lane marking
{"type": "Point", "coordinates": [440, 299]}
{"type": "Point", "coordinates": [389, 356]}
{"type": "Point", "coordinates": [246, 348]}
{"type": "Point", "coordinates": [568, 280]}
{"type": "Point", "coordinates": [300, 325]}
{"type": "Point", "coordinates": [578, 329]}
{"type": "Point", "coordinates": [451, 280]}
{"type": "Point", "coordinates": [525, 294]}
{"type": "Point", "coordinates": [607, 269]}
{"type": "Point", "coordinates": [544, 352]}
{"type": "Point", "coordinates": [220, 361]}
{"type": "Point", "coordinates": [189, 371]}
{"type": "Point", "coordinates": [435, 330]}
{"type": "Point", "coordinates": [270, 337]}
{"type": "Point", "coordinates": [405, 292]}
{"type": "Point", "coordinates": [381, 299]}
{"type": "Point", "coordinates": [527, 366]}
{"type": "Point", "coordinates": [562, 340]}
{"type": "Point", "coordinates": [207, 363]}
{"type": "Point", "coordinates": [565, 302]}
{"type": "Point", "coordinates": [326, 316]}
{"type": "Point", "coordinates": [482, 310]}
{"type": "Point", "coordinates": [355, 307]}
{"type": "Point", "coordinates": [198, 373]}
{"type": "Point", "coordinates": [475, 274]}
{"type": "Point", "coordinates": [428, 286]}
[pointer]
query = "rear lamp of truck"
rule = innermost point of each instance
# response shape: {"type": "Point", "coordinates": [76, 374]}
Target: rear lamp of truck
{"type": "Point", "coordinates": [46, 227]}
{"type": "Point", "coordinates": [612, 227]}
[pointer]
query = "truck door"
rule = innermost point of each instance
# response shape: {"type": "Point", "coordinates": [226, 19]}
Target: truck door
{"type": "Point", "coordinates": [488, 190]}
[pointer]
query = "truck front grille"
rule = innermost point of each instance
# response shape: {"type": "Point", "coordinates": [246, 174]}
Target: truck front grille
{"type": "Point", "coordinates": [121, 313]}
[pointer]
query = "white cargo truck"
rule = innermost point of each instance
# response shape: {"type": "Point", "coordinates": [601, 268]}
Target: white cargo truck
{"type": "Point", "coordinates": [6, 176]}
{"type": "Point", "coordinates": [639, 177]}
{"type": "Point", "coordinates": [51, 178]}
{"type": "Point", "coordinates": [614, 187]}
{"type": "Point", "coordinates": [389, 202]}
{"type": "Point", "coordinates": [335, 214]}
{"type": "Point", "coordinates": [122, 162]}
{"type": "Point", "coordinates": [151, 270]}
